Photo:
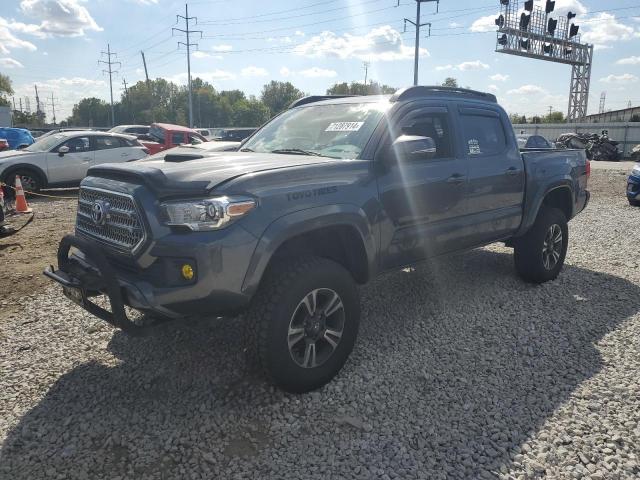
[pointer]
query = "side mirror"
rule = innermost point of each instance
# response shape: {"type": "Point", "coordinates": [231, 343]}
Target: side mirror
{"type": "Point", "coordinates": [413, 147]}
{"type": "Point", "coordinates": [62, 150]}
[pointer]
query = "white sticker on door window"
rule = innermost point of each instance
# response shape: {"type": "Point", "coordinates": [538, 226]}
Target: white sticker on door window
{"type": "Point", "coordinates": [474, 147]}
{"type": "Point", "coordinates": [344, 127]}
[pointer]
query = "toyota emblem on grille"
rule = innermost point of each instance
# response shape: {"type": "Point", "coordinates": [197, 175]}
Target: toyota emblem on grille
{"type": "Point", "coordinates": [99, 212]}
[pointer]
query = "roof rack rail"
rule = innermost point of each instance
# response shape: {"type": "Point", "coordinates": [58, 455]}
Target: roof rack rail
{"type": "Point", "coordinates": [423, 91]}
{"type": "Point", "coordinates": [316, 98]}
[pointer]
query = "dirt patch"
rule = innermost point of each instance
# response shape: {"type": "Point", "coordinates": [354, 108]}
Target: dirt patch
{"type": "Point", "coordinates": [24, 256]}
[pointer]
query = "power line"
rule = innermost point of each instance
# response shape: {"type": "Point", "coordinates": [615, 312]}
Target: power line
{"type": "Point", "coordinates": [109, 62]}
{"type": "Point", "coordinates": [188, 32]}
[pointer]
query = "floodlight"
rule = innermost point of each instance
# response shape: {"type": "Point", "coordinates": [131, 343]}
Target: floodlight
{"type": "Point", "coordinates": [550, 7]}
{"type": "Point", "coordinates": [504, 2]}
{"type": "Point", "coordinates": [548, 49]}
{"type": "Point", "coordinates": [526, 44]}
{"type": "Point", "coordinates": [503, 39]}
{"type": "Point", "coordinates": [573, 31]}
{"type": "Point", "coordinates": [571, 15]}
{"type": "Point", "coordinates": [524, 21]}
{"type": "Point", "coordinates": [500, 21]}
{"type": "Point", "coordinates": [551, 26]}
{"type": "Point", "coordinates": [528, 5]}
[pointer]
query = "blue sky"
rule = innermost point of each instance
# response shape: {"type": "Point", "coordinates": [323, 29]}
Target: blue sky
{"type": "Point", "coordinates": [56, 44]}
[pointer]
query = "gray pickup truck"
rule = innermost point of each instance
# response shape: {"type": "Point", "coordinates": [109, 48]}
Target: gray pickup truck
{"type": "Point", "coordinates": [324, 197]}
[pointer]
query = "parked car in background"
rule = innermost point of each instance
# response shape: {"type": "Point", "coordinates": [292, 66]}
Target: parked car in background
{"type": "Point", "coordinates": [195, 151]}
{"type": "Point", "coordinates": [633, 186]}
{"type": "Point", "coordinates": [163, 136]}
{"type": "Point", "coordinates": [533, 141]}
{"type": "Point", "coordinates": [131, 129]}
{"type": "Point", "coordinates": [232, 134]}
{"type": "Point", "coordinates": [62, 159]}
{"type": "Point", "coordinates": [16, 137]}
{"type": "Point", "coordinates": [4, 144]}
{"type": "Point", "coordinates": [205, 132]}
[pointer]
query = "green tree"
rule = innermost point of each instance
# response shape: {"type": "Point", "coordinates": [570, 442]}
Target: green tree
{"type": "Point", "coordinates": [91, 112]}
{"type": "Point", "coordinates": [277, 96]}
{"type": "Point", "coordinates": [554, 117]}
{"type": "Point", "coordinates": [249, 113]}
{"type": "Point", "coordinates": [6, 88]}
{"type": "Point", "coordinates": [450, 82]}
{"type": "Point", "coordinates": [356, 88]}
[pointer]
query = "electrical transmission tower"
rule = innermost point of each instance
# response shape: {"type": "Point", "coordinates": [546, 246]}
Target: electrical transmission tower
{"type": "Point", "coordinates": [53, 109]}
{"type": "Point", "coordinates": [188, 32]}
{"type": "Point", "coordinates": [603, 99]}
{"type": "Point", "coordinates": [417, 25]}
{"type": "Point", "coordinates": [110, 71]}
{"type": "Point", "coordinates": [365, 65]}
{"type": "Point", "coordinates": [533, 33]}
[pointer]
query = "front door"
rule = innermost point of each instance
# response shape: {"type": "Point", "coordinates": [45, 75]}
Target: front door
{"type": "Point", "coordinates": [423, 199]}
{"type": "Point", "coordinates": [70, 167]}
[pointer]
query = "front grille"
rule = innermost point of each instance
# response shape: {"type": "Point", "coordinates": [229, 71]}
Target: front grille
{"type": "Point", "coordinates": [122, 228]}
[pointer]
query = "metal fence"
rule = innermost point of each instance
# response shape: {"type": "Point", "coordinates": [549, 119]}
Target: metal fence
{"type": "Point", "coordinates": [628, 134]}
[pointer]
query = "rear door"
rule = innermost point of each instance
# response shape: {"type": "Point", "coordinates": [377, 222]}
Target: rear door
{"type": "Point", "coordinates": [72, 166]}
{"type": "Point", "coordinates": [111, 149]}
{"type": "Point", "coordinates": [424, 199]}
{"type": "Point", "coordinates": [496, 173]}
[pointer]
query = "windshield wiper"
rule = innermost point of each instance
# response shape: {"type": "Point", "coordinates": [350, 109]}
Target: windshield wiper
{"type": "Point", "coordinates": [297, 151]}
{"type": "Point", "coordinates": [246, 150]}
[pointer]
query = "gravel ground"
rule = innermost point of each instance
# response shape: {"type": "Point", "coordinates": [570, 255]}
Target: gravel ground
{"type": "Point", "coordinates": [460, 371]}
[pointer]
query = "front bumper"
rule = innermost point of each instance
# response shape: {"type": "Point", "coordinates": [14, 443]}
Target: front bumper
{"type": "Point", "coordinates": [633, 187]}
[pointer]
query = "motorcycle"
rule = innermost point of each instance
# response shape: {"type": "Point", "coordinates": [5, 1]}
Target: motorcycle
{"type": "Point", "coordinates": [597, 147]}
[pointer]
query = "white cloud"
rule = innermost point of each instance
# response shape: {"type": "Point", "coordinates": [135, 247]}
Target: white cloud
{"type": "Point", "coordinates": [633, 60]}
{"type": "Point", "coordinates": [299, 33]}
{"type": "Point", "coordinates": [484, 24]}
{"type": "Point", "coordinates": [285, 72]}
{"type": "Point", "coordinates": [200, 54]}
{"type": "Point", "coordinates": [252, 71]}
{"type": "Point", "coordinates": [222, 48]}
{"type": "Point", "coordinates": [8, 41]}
{"type": "Point", "coordinates": [499, 77]}
{"type": "Point", "coordinates": [493, 88]}
{"type": "Point", "coordinates": [380, 44]}
{"type": "Point", "coordinates": [62, 18]}
{"type": "Point", "coordinates": [528, 90]}
{"type": "Point", "coordinates": [604, 29]}
{"type": "Point", "coordinates": [455, 25]}
{"type": "Point", "coordinates": [139, 71]}
{"type": "Point", "coordinates": [564, 6]}
{"type": "Point", "coordinates": [464, 66]}
{"type": "Point", "coordinates": [147, 2]}
{"type": "Point", "coordinates": [316, 72]}
{"type": "Point", "coordinates": [10, 63]}
{"type": "Point", "coordinates": [211, 77]}
{"type": "Point", "coordinates": [624, 78]}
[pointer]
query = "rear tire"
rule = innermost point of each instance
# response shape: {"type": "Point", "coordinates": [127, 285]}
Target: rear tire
{"type": "Point", "coordinates": [306, 316]}
{"type": "Point", "coordinates": [539, 255]}
{"type": "Point", "coordinates": [634, 203]}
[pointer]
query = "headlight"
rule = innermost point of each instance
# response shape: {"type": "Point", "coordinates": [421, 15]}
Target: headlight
{"type": "Point", "coordinates": [207, 214]}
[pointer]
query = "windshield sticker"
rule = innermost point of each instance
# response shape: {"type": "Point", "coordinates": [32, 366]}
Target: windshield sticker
{"type": "Point", "coordinates": [474, 147]}
{"type": "Point", "coordinates": [344, 127]}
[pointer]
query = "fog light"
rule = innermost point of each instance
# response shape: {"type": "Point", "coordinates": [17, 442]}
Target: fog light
{"type": "Point", "coordinates": [187, 271]}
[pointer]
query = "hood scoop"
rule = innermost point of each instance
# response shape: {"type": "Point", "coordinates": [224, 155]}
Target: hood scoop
{"type": "Point", "coordinates": [177, 158]}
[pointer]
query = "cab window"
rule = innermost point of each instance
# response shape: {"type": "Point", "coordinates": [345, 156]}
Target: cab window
{"type": "Point", "coordinates": [433, 125]}
{"type": "Point", "coordinates": [105, 143]}
{"type": "Point", "coordinates": [177, 138]}
{"type": "Point", "coordinates": [78, 144]}
{"type": "Point", "coordinates": [483, 135]}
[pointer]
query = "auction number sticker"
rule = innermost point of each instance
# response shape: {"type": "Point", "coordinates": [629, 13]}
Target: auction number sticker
{"type": "Point", "coordinates": [344, 127]}
{"type": "Point", "coordinates": [474, 147]}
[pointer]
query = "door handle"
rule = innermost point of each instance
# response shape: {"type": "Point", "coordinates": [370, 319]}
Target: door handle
{"type": "Point", "coordinates": [512, 171]}
{"type": "Point", "coordinates": [456, 178]}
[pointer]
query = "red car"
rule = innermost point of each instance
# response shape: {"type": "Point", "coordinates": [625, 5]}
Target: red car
{"type": "Point", "coordinates": [164, 135]}
{"type": "Point", "coordinates": [4, 144]}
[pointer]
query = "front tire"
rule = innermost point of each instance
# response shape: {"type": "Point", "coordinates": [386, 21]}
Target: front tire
{"type": "Point", "coordinates": [539, 255]}
{"type": "Point", "coordinates": [306, 313]}
{"type": "Point", "coordinates": [634, 203]}
{"type": "Point", "coordinates": [30, 180]}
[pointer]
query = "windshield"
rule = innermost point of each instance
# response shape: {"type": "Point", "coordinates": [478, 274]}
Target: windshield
{"type": "Point", "coordinates": [335, 130]}
{"type": "Point", "coordinates": [44, 144]}
{"type": "Point", "coordinates": [157, 133]}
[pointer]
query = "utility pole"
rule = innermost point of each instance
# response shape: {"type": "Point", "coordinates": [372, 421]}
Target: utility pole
{"type": "Point", "coordinates": [417, 24]}
{"type": "Point", "coordinates": [13, 99]}
{"type": "Point", "coordinates": [365, 65]}
{"type": "Point", "coordinates": [20, 99]}
{"type": "Point", "coordinates": [146, 75]}
{"type": "Point", "coordinates": [126, 94]}
{"type": "Point", "coordinates": [188, 32]}
{"type": "Point", "coordinates": [53, 109]}
{"type": "Point", "coordinates": [39, 112]}
{"type": "Point", "coordinates": [603, 99]}
{"type": "Point", "coordinates": [110, 70]}
{"type": "Point", "coordinates": [550, 110]}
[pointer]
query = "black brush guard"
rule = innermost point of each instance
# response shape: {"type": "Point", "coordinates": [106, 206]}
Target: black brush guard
{"type": "Point", "coordinates": [86, 282]}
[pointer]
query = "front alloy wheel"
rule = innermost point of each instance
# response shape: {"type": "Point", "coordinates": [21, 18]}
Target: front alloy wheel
{"type": "Point", "coordinates": [316, 328]}
{"type": "Point", "coordinates": [552, 249]}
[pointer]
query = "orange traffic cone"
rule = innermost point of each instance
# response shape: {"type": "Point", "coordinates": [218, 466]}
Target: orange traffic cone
{"type": "Point", "coordinates": [21, 202]}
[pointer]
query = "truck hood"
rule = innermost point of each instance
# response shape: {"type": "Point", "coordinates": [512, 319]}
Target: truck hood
{"type": "Point", "coordinates": [198, 173]}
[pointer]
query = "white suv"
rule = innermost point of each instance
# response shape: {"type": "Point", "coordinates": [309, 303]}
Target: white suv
{"type": "Point", "coordinates": [62, 159]}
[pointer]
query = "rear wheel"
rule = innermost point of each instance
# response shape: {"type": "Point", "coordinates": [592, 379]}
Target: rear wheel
{"type": "Point", "coordinates": [539, 255]}
{"type": "Point", "coordinates": [306, 314]}
{"type": "Point", "coordinates": [634, 203]}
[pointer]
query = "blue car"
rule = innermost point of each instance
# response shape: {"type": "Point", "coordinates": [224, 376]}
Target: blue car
{"type": "Point", "coordinates": [16, 137]}
{"type": "Point", "coordinates": [633, 186]}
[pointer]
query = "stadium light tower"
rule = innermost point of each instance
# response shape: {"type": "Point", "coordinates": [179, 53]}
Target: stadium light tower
{"type": "Point", "coordinates": [532, 33]}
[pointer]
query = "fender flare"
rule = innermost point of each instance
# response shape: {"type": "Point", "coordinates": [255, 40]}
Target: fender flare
{"type": "Point", "coordinates": [536, 203]}
{"type": "Point", "coordinates": [26, 166]}
{"type": "Point", "coordinates": [303, 221]}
